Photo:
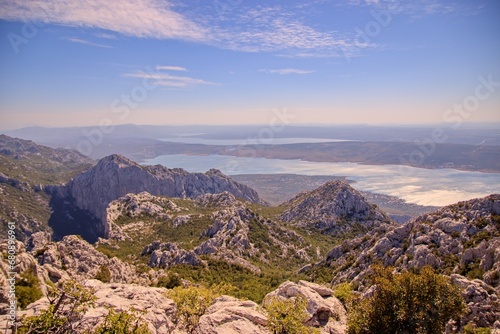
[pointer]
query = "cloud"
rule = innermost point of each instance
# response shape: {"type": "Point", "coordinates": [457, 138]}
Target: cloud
{"type": "Point", "coordinates": [287, 71]}
{"type": "Point", "coordinates": [170, 68]}
{"type": "Point", "coordinates": [138, 18]}
{"type": "Point", "coordinates": [168, 80]}
{"type": "Point", "coordinates": [281, 29]}
{"type": "Point", "coordinates": [270, 29]}
{"type": "Point", "coordinates": [421, 8]}
{"type": "Point", "coordinates": [82, 41]}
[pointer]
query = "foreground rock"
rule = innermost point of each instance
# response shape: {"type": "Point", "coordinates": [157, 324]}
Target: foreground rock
{"type": "Point", "coordinates": [326, 311]}
{"type": "Point", "coordinates": [458, 240]}
{"type": "Point", "coordinates": [229, 315]}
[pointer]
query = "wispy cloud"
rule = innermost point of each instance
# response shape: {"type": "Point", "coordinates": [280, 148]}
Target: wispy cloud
{"type": "Point", "coordinates": [421, 8]}
{"type": "Point", "coordinates": [281, 29]}
{"type": "Point", "coordinates": [168, 80]}
{"type": "Point", "coordinates": [170, 68]}
{"type": "Point", "coordinates": [283, 71]}
{"type": "Point", "coordinates": [138, 18]}
{"type": "Point", "coordinates": [275, 28]}
{"type": "Point", "coordinates": [105, 36]}
{"type": "Point", "coordinates": [83, 41]}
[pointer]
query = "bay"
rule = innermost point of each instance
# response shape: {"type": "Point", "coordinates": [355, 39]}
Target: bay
{"type": "Point", "coordinates": [436, 187]}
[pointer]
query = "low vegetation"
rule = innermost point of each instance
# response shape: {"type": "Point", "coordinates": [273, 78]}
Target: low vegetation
{"type": "Point", "coordinates": [288, 316]}
{"type": "Point", "coordinates": [192, 302]}
{"type": "Point", "coordinates": [406, 303]}
{"type": "Point", "coordinates": [68, 303]}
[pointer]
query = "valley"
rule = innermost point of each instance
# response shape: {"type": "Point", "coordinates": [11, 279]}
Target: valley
{"type": "Point", "coordinates": [157, 229]}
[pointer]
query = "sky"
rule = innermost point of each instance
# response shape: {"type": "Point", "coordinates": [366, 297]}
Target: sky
{"type": "Point", "coordinates": [101, 62]}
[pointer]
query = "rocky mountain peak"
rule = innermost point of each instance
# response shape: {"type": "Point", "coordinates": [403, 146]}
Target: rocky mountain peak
{"type": "Point", "coordinates": [116, 176]}
{"type": "Point", "coordinates": [116, 160]}
{"type": "Point", "coordinates": [331, 205]}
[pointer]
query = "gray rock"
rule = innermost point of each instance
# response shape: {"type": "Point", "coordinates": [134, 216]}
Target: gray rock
{"type": "Point", "coordinates": [326, 311]}
{"type": "Point", "coordinates": [229, 315]}
{"type": "Point", "coordinates": [116, 176]}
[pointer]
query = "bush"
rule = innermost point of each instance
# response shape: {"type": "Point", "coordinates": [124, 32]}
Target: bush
{"type": "Point", "coordinates": [288, 316]}
{"type": "Point", "coordinates": [192, 302]}
{"type": "Point", "coordinates": [67, 305]}
{"type": "Point", "coordinates": [407, 303]}
{"type": "Point", "coordinates": [103, 275]}
{"type": "Point", "coordinates": [28, 288]}
{"type": "Point", "coordinates": [172, 280]}
{"type": "Point", "coordinates": [121, 323]}
{"type": "Point", "coordinates": [471, 329]}
{"type": "Point", "coordinates": [344, 293]}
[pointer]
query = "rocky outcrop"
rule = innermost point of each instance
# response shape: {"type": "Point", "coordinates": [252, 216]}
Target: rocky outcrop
{"type": "Point", "coordinates": [229, 315]}
{"type": "Point", "coordinates": [460, 239]}
{"type": "Point", "coordinates": [483, 302]}
{"type": "Point", "coordinates": [333, 208]}
{"type": "Point", "coordinates": [325, 311]}
{"type": "Point", "coordinates": [159, 310]}
{"type": "Point", "coordinates": [74, 258]}
{"type": "Point", "coordinates": [115, 176]}
{"type": "Point", "coordinates": [164, 255]}
{"type": "Point", "coordinates": [220, 200]}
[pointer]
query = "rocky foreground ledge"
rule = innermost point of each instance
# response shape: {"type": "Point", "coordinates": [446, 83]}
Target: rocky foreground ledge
{"type": "Point", "coordinates": [74, 259]}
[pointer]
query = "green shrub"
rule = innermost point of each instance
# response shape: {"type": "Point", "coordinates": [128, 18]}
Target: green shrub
{"type": "Point", "coordinates": [288, 316]}
{"type": "Point", "coordinates": [169, 281]}
{"type": "Point", "coordinates": [28, 288]}
{"type": "Point", "coordinates": [103, 275]}
{"type": "Point", "coordinates": [68, 303]}
{"type": "Point", "coordinates": [407, 303]}
{"type": "Point", "coordinates": [472, 329]}
{"type": "Point", "coordinates": [344, 293]}
{"type": "Point", "coordinates": [192, 302]}
{"type": "Point", "coordinates": [121, 323]}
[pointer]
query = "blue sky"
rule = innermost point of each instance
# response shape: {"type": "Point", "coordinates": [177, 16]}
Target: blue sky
{"type": "Point", "coordinates": [79, 62]}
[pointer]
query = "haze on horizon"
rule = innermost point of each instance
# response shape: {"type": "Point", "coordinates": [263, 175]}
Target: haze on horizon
{"type": "Point", "coordinates": [76, 63]}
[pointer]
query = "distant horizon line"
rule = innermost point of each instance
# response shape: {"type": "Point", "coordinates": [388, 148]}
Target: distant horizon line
{"type": "Point", "coordinates": [393, 125]}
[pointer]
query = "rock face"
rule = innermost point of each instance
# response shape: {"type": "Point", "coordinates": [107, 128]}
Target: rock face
{"type": "Point", "coordinates": [164, 255]}
{"type": "Point", "coordinates": [229, 315]}
{"type": "Point", "coordinates": [77, 259]}
{"type": "Point", "coordinates": [115, 176]}
{"type": "Point", "coordinates": [332, 208]}
{"type": "Point", "coordinates": [326, 311]}
{"type": "Point", "coordinates": [460, 239]}
{"type": "Point", "coordinates": [159, 309]}
{"type": "Point", "coordinates": [234, 234]}
{"type": "Point", "coordinates": [26, 170]}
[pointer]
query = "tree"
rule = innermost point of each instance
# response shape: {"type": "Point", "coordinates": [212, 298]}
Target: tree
{"type": "Point", "coordinates": [407, 303]}
{"type": "Point", "coordinates": [288, 316]}
{"type": "Point", "coordinates": [68, 303]}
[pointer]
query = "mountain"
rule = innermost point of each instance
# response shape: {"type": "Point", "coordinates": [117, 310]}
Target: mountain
{"type": "Point", "coordinates": [334, 208]}
{"type": "Point", "coordinates": [460, 240]}
{"type": "Point", "coordinates": [115, 176]}
{"type": "Point", "coordinates": [26, 169]}
{"type": "Point", "coordinates": [144, 228]}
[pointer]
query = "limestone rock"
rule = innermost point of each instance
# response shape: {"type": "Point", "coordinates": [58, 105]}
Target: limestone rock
{"type": "Point", "coordinates": [229, 315]}
{"type": "Point", "coordinates": [332, 208]}
{"type": "Point", "coordinates": [164, 255]}
{"type": "Point", "coordinates": [326, 311]}
{"type": "Point", "coordinates": [116, 176]}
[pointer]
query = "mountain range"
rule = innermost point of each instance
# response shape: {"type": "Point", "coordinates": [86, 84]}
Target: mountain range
{"type": "Point", "coordinates": [145, 223]}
